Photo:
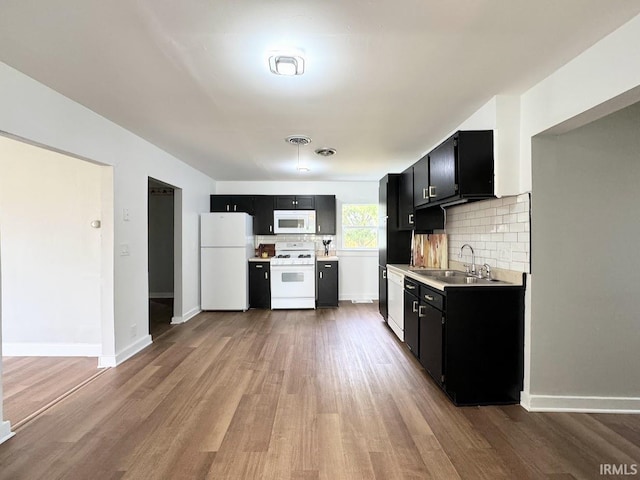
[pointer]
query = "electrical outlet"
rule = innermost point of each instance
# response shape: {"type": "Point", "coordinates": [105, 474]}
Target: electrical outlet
{"type": "Point", "coordinates": [504, 253]}
{"type": "Point", "coordinates": [134, 330]}
{"type": "Point", "coordinates": [124, 249]}
{"type": "Point", "coordinates": [125, 214]}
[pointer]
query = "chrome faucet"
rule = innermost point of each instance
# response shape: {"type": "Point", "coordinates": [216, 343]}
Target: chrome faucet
{"type": "Point", "coordinates": [473, 257]}
{"type": "Point", "coordinates": [487, 268]}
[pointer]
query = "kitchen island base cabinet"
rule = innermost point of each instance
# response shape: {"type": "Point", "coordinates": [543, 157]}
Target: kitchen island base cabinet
{"type": "Point", "coordinates": [327, 283]}
{"type": "Point", "coordinates": [259, 285]}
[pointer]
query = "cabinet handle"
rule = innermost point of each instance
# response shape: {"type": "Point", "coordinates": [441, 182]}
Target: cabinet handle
{"type": "Point", "coordinates": [421, 311]}
{"type": "Point", "coordinates": [414, 307]}
{"type": "Point", "coordinates": [432, 191]}
{"type": "Point", "coordinates": [425, 193]}
{"type": "Point", "coordinates": [258, 266]}
{"type": "Point", "coordinates": [228, 208]}
{"type": "Point", "coordinates": [320, 274]}
{"type": "Point", "coordinates": [235, 208]}
{"type": "Point", "coordinates": [411, 218]}
{"type": "Point", "coordinates": [319, 229]}
{"type": "Point", "coordinates": [266, 275]}
{"type": "Point", "coordinates": [271, 228]}
{"type": "Point", "coordinates": [411, 287]}
{"type": "Point", "coordinates": [384, 274]}
{"type": "Point", "coordinates": [327, 265]}
{"type": "Point", "coordinates": [429, 297]}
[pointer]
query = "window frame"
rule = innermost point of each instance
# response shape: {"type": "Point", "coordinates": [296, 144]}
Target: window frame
{"type": "Point", "coordinates": [344, 228]}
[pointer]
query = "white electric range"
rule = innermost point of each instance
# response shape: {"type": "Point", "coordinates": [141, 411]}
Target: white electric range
{"type": "Point", "coordinates": [293, 275]}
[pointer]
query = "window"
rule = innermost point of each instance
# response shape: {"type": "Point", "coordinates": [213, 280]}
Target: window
{"type": "Point", "coordinates": [360, 226]}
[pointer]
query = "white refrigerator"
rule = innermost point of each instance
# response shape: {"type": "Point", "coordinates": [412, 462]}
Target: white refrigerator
{"type": "Point", "coordinates": [226, 243]}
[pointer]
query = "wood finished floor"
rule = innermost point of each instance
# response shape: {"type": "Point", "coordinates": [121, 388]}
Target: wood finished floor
{"type": "Point", "coordinates": [31, 383]}
{"type": "Point", "coordinates": [327, 394]}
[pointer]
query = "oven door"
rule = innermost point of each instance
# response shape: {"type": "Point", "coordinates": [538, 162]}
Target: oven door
{"type": "Point", "coordinates": [293, 286]}
{"type": "Point", "coordinates": [294, 221]}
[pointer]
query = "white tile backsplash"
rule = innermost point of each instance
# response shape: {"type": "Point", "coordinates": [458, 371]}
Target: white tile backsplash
{"type": "Point", "coordinates": [498, 230]}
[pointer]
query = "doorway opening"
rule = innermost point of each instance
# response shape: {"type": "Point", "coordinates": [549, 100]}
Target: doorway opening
{"type": "Point", "coordinates": [161, 256]}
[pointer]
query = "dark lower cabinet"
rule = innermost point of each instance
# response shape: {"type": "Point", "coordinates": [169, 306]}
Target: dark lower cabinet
{"type": "Point", "coordinates": [431, 332]}
{"type": "Point", "coordinates": [327, 283]}
{"type": "Point", "coordinates": [382, 292]}
{"type": "Point", "coordinates": [411, 321]}
{"type": "Point", "coordinates": [259, 285]}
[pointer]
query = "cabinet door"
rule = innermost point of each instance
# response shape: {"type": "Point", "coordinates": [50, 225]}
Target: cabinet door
{"type": "Point", "coordinates": [259, 285]}
{"type": "Point", "coordinates": [325, 214]}
{"type": "Point", "coordinates": [442, 171]}
{"type": "Point", "coordinates": [421, 182]}
{"type": "Point", "coordinates": [406, 219]}
{"type": "Point", "coordinates": [327, 284]}
{"type": "Point", "coordinates": [305, 202]}
{"type": "Point", "coordinates": [242, 203]}
{"type": "Point", "coordinates": [263, 211]}
{"type": "Point", "coordinates": [220, 203]}
{"type": "Point", "coordinates": [411, 325]}
{"type": "Point", "coordinates": [431, 328]}
{"type": "Point", "coordinates": [382, 291]}
{"type": "Point", "coordinates": [287, 202]}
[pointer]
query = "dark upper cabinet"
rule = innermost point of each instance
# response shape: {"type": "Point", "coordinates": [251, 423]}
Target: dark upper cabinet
{"type": "Point", "coordinates": [327, 283]}
{"type": "Point", "coordinates": [259, 285]}
{"type": "Point", "coordinates": [406, 217]}
{"type": "Point", "coordinates": [295, 202]}
{"type": "Point", "coordinates": [325, 214]}
{"type": "Point", "coordinates": [462, 167]}
{"type": "Point", "coordinates": [394, 245]}
{"type": "Point", "coordinates": [232, 203]}
{"type": "Point", "coordinates": [263, 219]}
{"type": "Point", "coordinates": [421, 182]}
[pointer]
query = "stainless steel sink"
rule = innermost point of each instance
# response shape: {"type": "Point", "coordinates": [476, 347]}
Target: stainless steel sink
{"type": "Point", "coordinates": [456, 277]}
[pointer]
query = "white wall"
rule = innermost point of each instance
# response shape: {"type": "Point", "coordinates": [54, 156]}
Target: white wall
{"type": "Point", "coordinates": [358, 278]}
{"type": "Point", "coordinates": [52, 267]}
{"type": "Point", "coordinates": [35, 112]}
{"type": "Point", "coordinates": [586, 266]}
{"type": "Point", "coordinates": [5, 426]}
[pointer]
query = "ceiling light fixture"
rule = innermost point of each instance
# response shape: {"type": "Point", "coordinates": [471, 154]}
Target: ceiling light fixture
{"type": "Point", "coordinates": [325, 152]}
{"type": "Point", "coordinates": [299, 140]}
{"type": "Point", "coordinates": [286, 64]}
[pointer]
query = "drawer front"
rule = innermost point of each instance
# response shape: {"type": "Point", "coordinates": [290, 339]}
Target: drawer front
{"type": "Point", "coordinates": [411, 286]}
{"type": "Point", "coordinates": [432, 297]}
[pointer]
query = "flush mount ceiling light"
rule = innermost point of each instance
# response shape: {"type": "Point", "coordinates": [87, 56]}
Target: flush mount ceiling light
{"type": "Point", "coordinates": [286, 64]}
{"type": "Point", "coordinates": [299, 140]}
{"type": "Point", "coordinates": [325, 152]}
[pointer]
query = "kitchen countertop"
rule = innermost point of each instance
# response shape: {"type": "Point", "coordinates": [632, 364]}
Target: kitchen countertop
{"type": "Point", "coordinates": [330, 258]}
{"type": "Point", "coordinates": [514, 280]}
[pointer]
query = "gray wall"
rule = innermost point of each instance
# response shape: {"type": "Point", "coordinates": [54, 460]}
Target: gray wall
{"type": "Point", "coordinates": [161, 251]}
{"type": "Point", "coordinates": [585, 251]}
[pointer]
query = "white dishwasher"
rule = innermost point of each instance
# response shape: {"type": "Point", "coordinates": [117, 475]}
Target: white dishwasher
{"type": "Point", "coordinates": [395, 303]}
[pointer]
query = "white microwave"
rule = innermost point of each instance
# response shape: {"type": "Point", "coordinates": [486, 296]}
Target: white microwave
{"type": "Point", "coordinates": [294, 221]}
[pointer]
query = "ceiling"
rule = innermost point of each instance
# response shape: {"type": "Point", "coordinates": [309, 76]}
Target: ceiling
{"type": "Point", "coordinates": [384, 81]}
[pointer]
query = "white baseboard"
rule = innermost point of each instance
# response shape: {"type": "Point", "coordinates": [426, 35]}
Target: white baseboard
{"type": "Point", "coordinates": [186, 317]}
{"type": "Point", "coordinates": [15, 349]}
{"type": "Point", "coordinates": [132, 349]}
{"type": "Point", "coordinates": [359, 298]}
{"type": "Point", "coordinates": [161, 295]}
{"type": "Point", "coordinates": [563, 403]}
{"type": "Point", "coordinates": [106, 361]}
{"type": "Point", "coordinates": [5, 431]}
